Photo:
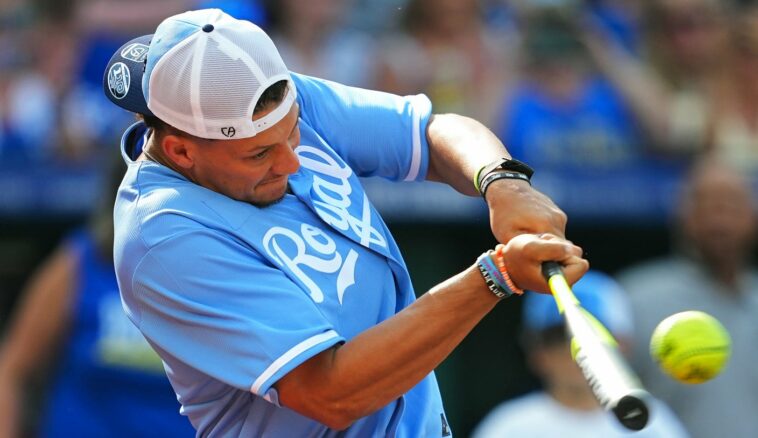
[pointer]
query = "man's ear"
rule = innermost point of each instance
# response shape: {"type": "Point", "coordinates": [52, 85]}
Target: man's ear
{"type": "Point", "coordinates": [179, 150]}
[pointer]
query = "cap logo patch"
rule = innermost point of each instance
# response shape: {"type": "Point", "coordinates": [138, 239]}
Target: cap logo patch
{"type": "Point", "coordinates": [229, 131]}
{"type": "Point", "coordinates": [135, 52]}
{"type": "Point", "coordinates": [119, 79]}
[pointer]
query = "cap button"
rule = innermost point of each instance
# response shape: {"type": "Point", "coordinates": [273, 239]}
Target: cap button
{"type": "Point", "coordinates": [208, 28]}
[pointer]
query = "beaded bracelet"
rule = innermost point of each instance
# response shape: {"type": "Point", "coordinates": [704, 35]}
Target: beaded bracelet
{"type": "Point", "coordinates": [500, 262]}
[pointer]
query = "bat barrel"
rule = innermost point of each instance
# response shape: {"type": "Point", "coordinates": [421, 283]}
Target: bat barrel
{"type": "Point", "coordinates": [615, 386]}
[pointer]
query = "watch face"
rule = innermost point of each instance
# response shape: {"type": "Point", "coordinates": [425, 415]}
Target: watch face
{"type": "Point", "coordinates": [516, 166]}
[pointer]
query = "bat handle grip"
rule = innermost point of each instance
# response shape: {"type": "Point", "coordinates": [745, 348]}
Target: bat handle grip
{"type": "Point", "coordinates": [550, 269]}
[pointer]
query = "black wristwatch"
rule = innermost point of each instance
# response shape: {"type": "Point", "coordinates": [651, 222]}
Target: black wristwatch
{"type": "Point", "coordinates": [503, 168]}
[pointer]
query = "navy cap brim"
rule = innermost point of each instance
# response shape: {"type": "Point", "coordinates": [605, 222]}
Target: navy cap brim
{"type": "Point", "coordinates": [122, 81]}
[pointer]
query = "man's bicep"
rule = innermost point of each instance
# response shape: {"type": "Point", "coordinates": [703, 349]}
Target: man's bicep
{"type": "Point", "coordinates": [299, 389]}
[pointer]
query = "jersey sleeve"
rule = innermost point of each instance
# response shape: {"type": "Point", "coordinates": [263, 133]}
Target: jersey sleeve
{"type": "Point", "coordinates": [224, 311]}
{"type": "Point", "coordinates": [376, 133]}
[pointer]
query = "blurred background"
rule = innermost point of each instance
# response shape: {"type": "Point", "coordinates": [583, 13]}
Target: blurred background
{"type": "Point", "coordinates": [611, 101]}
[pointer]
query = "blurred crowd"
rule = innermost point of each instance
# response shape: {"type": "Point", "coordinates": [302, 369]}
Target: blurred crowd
{"type": "Point", "coordinates": [592, 84]}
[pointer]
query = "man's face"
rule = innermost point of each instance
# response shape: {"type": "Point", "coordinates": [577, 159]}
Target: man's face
{"type": "Point", "coordinates": [718, 219]}
{"type": "Point", "coordinates": [554, 365]}
{"type": "Point", "coordinates": [253, 170]}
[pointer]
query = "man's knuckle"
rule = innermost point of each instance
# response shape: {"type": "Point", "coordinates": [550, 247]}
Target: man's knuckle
{"type": "Point", "coordinates": [530, 246]}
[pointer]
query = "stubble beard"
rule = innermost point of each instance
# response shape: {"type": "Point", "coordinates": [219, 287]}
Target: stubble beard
{"type": "Point", "coordinates": [269, 203]}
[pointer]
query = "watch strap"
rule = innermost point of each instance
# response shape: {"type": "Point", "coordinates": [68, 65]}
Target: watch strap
{"type": "Point", "coordinates": [509, 167]}
{"type": "Point", "coordinates": [503, 174]}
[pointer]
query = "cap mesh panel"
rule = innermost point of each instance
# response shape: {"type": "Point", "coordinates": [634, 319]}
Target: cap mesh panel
{"type": "Point", "coordinates": [230, 85]}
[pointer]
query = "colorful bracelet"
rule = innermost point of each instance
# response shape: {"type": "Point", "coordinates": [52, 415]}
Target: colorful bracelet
{"type": "Point", "coordinates": [488, 263]}
{"type": "Point", "coordinates": [500, 262]}
{"type": "Point", "coordinates": [496, 283]}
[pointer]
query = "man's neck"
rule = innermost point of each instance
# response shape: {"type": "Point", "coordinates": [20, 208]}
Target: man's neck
{"type": "Point", "coordinates": [151, 151]}
{"type": "Point", "coordinates": [724, 269]}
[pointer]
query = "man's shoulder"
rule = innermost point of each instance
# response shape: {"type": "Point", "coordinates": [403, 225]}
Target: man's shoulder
{"type": "Point", "coordinates": [309, 87]}
{"type": "Point", "coordinates": [166, 206]}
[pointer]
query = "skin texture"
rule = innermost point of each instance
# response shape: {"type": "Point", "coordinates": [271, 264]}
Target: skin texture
{"type": "Point", "coordinates": [347, 382]}
{"type": "Point", "coordinates": [253, 170]}
{"type": "Point", "coordinates": [343, 384]}
{"type": "Point", "coordinates": [459, 147]}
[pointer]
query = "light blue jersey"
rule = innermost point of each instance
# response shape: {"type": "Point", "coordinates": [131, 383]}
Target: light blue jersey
{"type": "Point", "coordinates": [233, 296]}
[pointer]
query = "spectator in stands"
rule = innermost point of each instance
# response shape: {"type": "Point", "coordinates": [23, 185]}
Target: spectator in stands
{"type": "Point", "coordinates": [376, 16]}
{"type": "Point", "coordinates": [674, 92]}
{"type": "Point", "coordinates": [33, 88]}
{"type": "Point", "coordinates": [732, 125]}
{"type": "Point", "coordinates": [52, 106]}
{"type": "Point", "coordinates": [446, 51]}
{"type": "Point", "coordinates": [88, 119]}
{"type": "Point", "coordinates": [566, 406]}
{"type": "Point", "coordinates": [621, 20]}
{"type": "Point", "coordinates": [710, 270]}
{"type": "Point", "coordinates": [12, 57]}
{"type": "Point", "coordinates": [104, 379]}
{"type": "Point", "coordinates": [560, 113]}
{"type": "Point", "coordinates": [313, 39]}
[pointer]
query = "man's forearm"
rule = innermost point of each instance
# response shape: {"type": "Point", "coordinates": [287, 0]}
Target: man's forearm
{"type": "Point", "coordinates": [384, 362]}
{"type": "Point", "coordinates": [458, 147]}
{"type": "Point", "coordinates": [343, 384]}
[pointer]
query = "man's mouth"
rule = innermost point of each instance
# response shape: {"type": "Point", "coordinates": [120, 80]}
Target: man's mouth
{"type": "Point", "coordinates": [272, 180]}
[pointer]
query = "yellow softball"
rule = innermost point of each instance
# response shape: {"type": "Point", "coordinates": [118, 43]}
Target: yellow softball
{"type": "Point", "coordinates": [691, 347]}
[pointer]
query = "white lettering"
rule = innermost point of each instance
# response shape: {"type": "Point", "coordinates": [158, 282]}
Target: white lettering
{"type": "Point", "coordinates": [326, 165]}
{"type": "Point", "coordinates": [332, 189]}
{"type": "Point", "coordinates": [312, 235]}
{"type": "Point", "coordinates": [346, 277]}
{"type": "Point", "coordinates": [334, 204]}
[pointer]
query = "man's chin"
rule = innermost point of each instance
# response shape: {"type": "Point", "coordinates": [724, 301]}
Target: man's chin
{"type": "Point", "coordinates": [267, 203]}
{"type": "Point", "coordinates": [270, 199]}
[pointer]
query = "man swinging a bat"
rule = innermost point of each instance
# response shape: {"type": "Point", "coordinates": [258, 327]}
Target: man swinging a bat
{"type": "Point", "coordinates": [253, 262]}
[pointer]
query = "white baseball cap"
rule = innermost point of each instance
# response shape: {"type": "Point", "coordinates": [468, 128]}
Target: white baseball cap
{"type": "Point", "coordinates": [201, 72]}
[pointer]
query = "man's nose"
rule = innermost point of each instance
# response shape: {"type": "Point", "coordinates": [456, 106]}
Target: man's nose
{"type": "Point", "coordinates": [287, 161]}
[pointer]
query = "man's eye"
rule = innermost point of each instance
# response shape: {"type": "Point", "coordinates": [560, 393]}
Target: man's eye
{"type": "Point", "coordinates": [260, 155]}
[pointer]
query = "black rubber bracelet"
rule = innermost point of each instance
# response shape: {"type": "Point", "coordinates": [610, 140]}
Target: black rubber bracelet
{"type": "Point", "coordinates": [503, 174]}
{"type": "Point", "coordinates": [501, 165]}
